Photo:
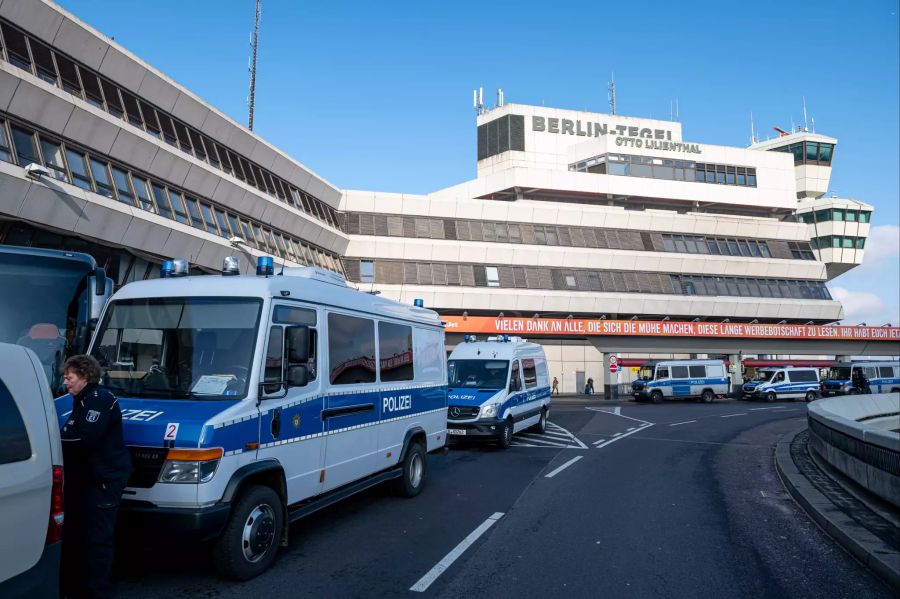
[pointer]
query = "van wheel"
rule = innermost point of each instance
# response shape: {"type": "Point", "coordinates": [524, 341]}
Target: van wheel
{"type": "Point", "coordinates": [707, 396]}
{"type": "Point", "coordinates": [770, 396]}
{"type": "Point", "coordinates": [656, 396]}
{"type": "Point", "coordinates": [895, 390]}
{"type": "Point", "coordinates": [810, 396]}
{"type": "Point", "coordinates": [413, 479]}
{"type": "Point", "coordinates": [249, 542]}
{"type": "Point", "coordinates": [541, 425]}
{"type": "Point", "coordinates": [507, 436]}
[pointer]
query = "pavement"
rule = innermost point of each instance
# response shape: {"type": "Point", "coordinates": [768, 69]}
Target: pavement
{"type": "Point", "coordinates": [866, 527]}
{"type": "Point", "coordinates": [617, 499]}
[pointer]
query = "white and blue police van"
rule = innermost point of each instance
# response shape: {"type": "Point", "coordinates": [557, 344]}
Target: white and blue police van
{"type": "Point", "coordinates": [497, 388]}
{"type": "Point", "coordinates": [680, 379]}
{"type": "Point", "coordinates": [251, 401]}
{"type": "Point", "coordinates": [844, 378]}
{"type": "Point", "coordinates": [789, 382]}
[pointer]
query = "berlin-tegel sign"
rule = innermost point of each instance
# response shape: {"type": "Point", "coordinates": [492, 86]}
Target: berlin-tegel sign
{"type": "Point", "coordinates": [654, 328]}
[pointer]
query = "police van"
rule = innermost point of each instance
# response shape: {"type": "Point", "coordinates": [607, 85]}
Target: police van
{"type": "Point", "coordinates": [497, 388]}
{"type": "Point", "coordinates": [249, 402]}
{"type": "Point", "coordinates": [844, 378]}
{"type": "Point", "coordinates": [789, 382]}
{"type": "Point", "coordinates": [683, 379]}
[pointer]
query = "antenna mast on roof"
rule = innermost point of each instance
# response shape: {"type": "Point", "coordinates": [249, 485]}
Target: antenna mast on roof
{"type": "Point", "coordinates": [612, 94]}
{"type": "Point", "coordinates": [753, 139]}
{"type": "Point", "coordinates": [805, 121]}
{"type": "Point", "coordinates": [250, 101]}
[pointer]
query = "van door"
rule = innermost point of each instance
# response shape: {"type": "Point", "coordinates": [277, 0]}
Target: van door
{"type": "Point", "coordinates": [353, 402]}
{"type": "Point", "coordinates": [681, 383]}
{"type": "Point", "coordinates": [290, 420]}
{"type": "Point", "coordinates": [25, 462]}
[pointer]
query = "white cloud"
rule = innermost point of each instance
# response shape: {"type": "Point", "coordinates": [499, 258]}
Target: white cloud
{"type": "Point", "coordinates": [862, 306]}
{"type": "Point", "coordinates": [882, 244]}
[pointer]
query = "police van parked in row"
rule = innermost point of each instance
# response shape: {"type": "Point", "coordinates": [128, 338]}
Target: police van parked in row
{"type": "Point", "coordinates": [248, 402]}
{"type": "Point", "coordinates": [783, 383]}
{"type": "Point", "coordinates": [682, 379]}
{"type": "Point", "coordinates": [497, 388]}
{"type": "Point", "coordinates": [844, 378]}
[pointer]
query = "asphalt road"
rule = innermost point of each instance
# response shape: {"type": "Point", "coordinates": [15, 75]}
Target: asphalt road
{"type": "Point", "coordinates": [673, 500]}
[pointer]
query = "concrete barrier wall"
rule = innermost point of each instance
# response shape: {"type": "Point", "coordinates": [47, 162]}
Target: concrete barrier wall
{"type": "Point", "coordinates": [853, 434]}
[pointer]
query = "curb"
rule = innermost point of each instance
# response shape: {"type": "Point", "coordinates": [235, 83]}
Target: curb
{"type": "Point", "coordinates": [855, 539]}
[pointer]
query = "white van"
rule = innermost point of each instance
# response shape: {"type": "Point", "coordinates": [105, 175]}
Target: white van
{"type": "Point", "coordinates": [788, 382]}
{"type": "Point", "coordinates": [31, 478]}
{"type": "Point", "coordinates": [248, 402]}
{"type": "Point", "coordinates": [682, 379]}
{"type": "Point", "coordinates": [497, 388]}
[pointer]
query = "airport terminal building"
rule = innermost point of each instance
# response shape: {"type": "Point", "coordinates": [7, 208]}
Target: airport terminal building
{"type": "Point", "coordinates": [570, 215]}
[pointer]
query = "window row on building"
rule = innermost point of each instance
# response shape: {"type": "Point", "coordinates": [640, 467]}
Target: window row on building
{"type": "Point", "coordinates": [22, 145]}
{"type": "Point", "coordinates": [423, 227]}
{"type": "Point", "coordinates": [29, 54]}
{"type": "Point", "coordinates": [840, 241]}
{"type": "Point", "coordinates": [835, 214]}
{"type": "Point", "coordinates": [397, 272]}
{"type": "Point", "coordinates": [809, 152]}
{"type": "Point", "coordinates": [651, 167]}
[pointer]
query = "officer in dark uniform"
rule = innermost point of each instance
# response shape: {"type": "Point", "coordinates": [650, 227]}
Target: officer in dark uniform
{"type": "Point", "coordinates": [97, 466]}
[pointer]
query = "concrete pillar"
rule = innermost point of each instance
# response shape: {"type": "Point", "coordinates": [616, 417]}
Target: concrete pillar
{"type": "Point", "coordinates": [734, 374]}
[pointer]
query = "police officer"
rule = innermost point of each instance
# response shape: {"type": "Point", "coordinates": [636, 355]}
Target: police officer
{"type": "Point", "coordinates": [97, 468]}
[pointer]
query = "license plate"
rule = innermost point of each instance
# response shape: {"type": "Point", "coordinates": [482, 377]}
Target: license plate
{"type": "Point", "coordinates": [456, 431]}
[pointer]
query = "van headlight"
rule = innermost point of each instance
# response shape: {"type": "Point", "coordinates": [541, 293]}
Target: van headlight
{"type": "Point", "coordinates": [489, 410]}
{"type": "Point", "coordinates": [190, 465]}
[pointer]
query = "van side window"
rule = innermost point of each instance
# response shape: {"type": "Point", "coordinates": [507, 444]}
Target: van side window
{"type": "Point", "coordinates": [351, 349]}
{"type": "Point", "coordinates": [14, 444]}
{"type": "Point", "coordinates": [294, 315]}
{"type": "Point", "coordinates": [274, 367]}
{"type": "Point", "coordinates": [698, 372]}
{"type": "Point", "coordinates": [870, 372]}
{"type": "Point", "coordinates": [885, 372]}
{"type": "Point", "coordinates": [803, 376]}
{"type": "Point", "coordinates": [530, 373]}
{"type": "Point", "coordinates": [662, 372]}
{"type": "Point", "coordinates": [680, 372]}
{"type": "Point", "coordinates": [514, 375]}
{"type": "Point", "coordinates": [395, 351]}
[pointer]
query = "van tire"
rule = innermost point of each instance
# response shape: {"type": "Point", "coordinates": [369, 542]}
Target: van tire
{"type": "Point", "coordinates": [506, 436]}
{"type": "Point", "coordinates": [541, 426]}
{"type": "Point", "coordinates": [259, 515]}
{"type": "Point", "coordinates": [656, 396]}
{"type": "Point", "coordinates": [707, 396]}
{"type": "Point", "coordinates": [810, 396]}
{"type": "Point", "coordinates": [414, 469]}
{"type": "Point", "coordinates": [770, 396]}
{"type": "Point", "coordinates": [895, 390]}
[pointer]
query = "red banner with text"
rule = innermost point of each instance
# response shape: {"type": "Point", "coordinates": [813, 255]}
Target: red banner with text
{"type": "Point", "coordinates": [656, 328]}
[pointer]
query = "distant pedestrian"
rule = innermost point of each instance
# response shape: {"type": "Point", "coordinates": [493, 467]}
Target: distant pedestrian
{"type": "Point", "coordinates": [864, 386]}
{"type": "Point", "coordinates": [589, 387]}
{"type": "Point", "coordinates": [554, 390]}
{"type": "Point", "coordinates": [97, 468]}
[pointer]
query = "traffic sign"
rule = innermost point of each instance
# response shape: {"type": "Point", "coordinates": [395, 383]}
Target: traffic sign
{"type": "Point", "coordinates": [613, 360]}
{"type": "Point", "coordinates": [614, 368]}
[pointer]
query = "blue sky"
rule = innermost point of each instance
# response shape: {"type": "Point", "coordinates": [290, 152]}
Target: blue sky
{"type": "Point", "coordinates": [378, 95]}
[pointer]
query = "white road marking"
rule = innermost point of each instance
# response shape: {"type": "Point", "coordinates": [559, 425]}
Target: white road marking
{"type": "Point", "coordinates": [422, 585]}
{"type": "Point", "coordinates": [632, 428]}
{"type": "Point", "coordinates": [616, 434]}
{"type": "Point", "coordinates": [680, 423]}
{"type": "Point", "coordinates": [754, 409]}
{"type": "Point", "coordinates": [616, 413]}
{"type": "Point", "coordinates": [554, 436]}
{"type": "Point", "coordinates": [619, 438]}
{"type": "Point", "coordinates": [599, 442]}
{"type": "Point", "coordinates": [563, 467]}
{"type": "Point", "coordinates": [730, 415]}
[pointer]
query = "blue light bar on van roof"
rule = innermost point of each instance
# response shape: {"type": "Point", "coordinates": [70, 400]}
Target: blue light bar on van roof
{"type": "Point", "coordinates": [468, 338]}
{"type": "Point", "coordinates": [505, 338]}
{"type": "Point", "coordinates": [168, 267]}
{"type": "Point", "coordinates": [231, 266]}
{"type": "Point", "coordinates": [265, 266]}
{"type": "Point", "coordinates": [419, 303]}
{"type": "Point", "coordinates": [174, 268]}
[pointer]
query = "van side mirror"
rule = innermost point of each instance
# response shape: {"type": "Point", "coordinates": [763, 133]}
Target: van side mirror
{"type": "Point", "coordinates": [297, 376]}
{"type": "Point", "coordinates": [297, 344]}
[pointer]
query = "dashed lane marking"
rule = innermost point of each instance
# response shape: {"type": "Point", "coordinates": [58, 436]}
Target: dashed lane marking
{"type": "Point", "coordinates": [422, 585]}
{"type": "Point", "coordinates": [563, 467]}
{"type": "Point", "coordinates": [619, 437]}
{"type": "Point", "coordinates": [733, 415]}
{"type": "Point", "coordinates": [680, 423]}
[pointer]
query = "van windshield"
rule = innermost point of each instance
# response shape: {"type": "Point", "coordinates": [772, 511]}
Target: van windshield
{"type": "Point", "coordinates": [763, 375]}
{"type": "Point", "coordinates": [840, 373]}
{"type": "Point", "coordinates": [645, 373]}
{"type": "Point", "coordinates": [178, 348]}
{"type": "Point", "coordinates": [480, 374]}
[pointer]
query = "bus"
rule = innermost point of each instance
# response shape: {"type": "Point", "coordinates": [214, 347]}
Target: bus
{"type": "Point", "coordinates": [50, 303]}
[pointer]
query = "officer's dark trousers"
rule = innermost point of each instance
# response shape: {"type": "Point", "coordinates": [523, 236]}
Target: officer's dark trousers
{"type": "Point", "coordinates": [88, 539]}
